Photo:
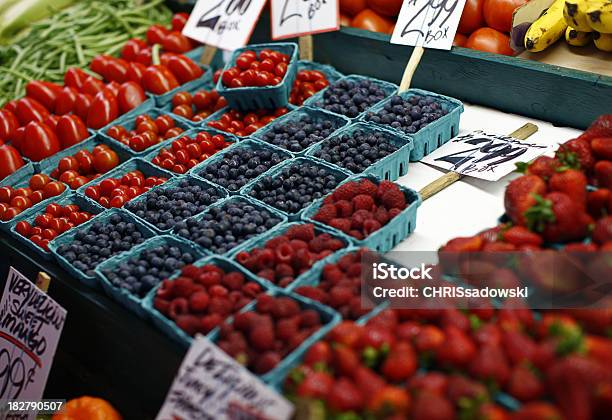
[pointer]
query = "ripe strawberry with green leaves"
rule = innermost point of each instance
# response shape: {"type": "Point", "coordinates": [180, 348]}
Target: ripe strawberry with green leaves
{"type": "Point", "coordinates": [345, 396]}
{"type": "Point", "coordinates": [542, 166]}
{"type": "Point", "coordinates": [521, 195]}
{"type": "Point", "coordinates": [458, 349]}
{"type": "Point", "coordinates": [571, 182]}
{"type": "Point", "coordinates": [432, 406]}
{"type": "Point", "coordinates": [525, 383]}
{"type": "Point", "coordinates": [576, 154]}
{"type": "Point", "coordinates": [390, 401]}
{"type": "Point", "coordinates": [602, 232]}
{"type": "Point", "coordinates": [315, 385]}
{"type": "Point", "coordinates": [601, 127]}
{"type": "Point", "coordinates": [401, 362]}
{"type": "Point", "coordinates": [490, 364]}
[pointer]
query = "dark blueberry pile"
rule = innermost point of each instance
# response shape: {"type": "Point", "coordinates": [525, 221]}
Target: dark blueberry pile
{"type": "Point", "coordinates": [296, 136]}
{"type": "Point", "coordinates": [99, 242]}
{"type": "Point", "coordinates": [140, 274]}
{"type": "Point", "coordinates": [351, 98]}
{"type": "Point", "coordinates": [223, 228]}
{"type": "Point", "coordinates": [408, 115]}
{"type": "Point", "coordinates": [166, 206]}
{"type": "Point", "coordinates": [356, 151]}
{"type": "Point", "coordinates": [240, 165]}
{"type": "Point", "coordinates": [295, 187]}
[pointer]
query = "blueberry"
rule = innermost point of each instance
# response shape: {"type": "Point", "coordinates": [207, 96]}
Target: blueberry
{"type": "Point", "coordinates": [408, 115]}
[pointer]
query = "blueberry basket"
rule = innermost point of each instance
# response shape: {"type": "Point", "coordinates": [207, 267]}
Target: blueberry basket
{"type": "Point", "coordinates": [129, 121]}
{"type": "Point", "coordinates": [30, 214]}
{"type": "Point", "coordinates": [246, 144]}
{"type": "Point", "coordinates": [317, 115]}
{"type": "Point", "coordinates": [48, 165]}
{"type": "Point", "coordinates": [434, 134]}
{"type": "Point", "coordinates": [147, 168]}
{"type": "Point", "coordinates": [280, 230]}
{"type": "Point", "coordinates": [19, 179]}
{"type": "Point", "coordinates": [203, 82]}
{"type": "Point", "coordinates": [123, 296]}
{"type": "Point", "coordinates": [169, 185]}
{"type": "Point", "coordinates": [245, 243]}
{"type": "Point", "coordinates": [390, 167]}
{"type": "Point", "coordinates": [168, 326]}
{"type": "Point", "coordinates": [388, 236]}
{"type": "Point", "coordinates": [68, 237]}
{"type": "Point", "coordinates": [316, 100]}
{"type": "Point", "coordinates": [258, 97]}
{"type": "Point", "coordinates": [339, 174]}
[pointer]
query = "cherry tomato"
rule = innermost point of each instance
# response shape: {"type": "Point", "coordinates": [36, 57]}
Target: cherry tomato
{"type": "Point", "coordinates": [54, 210]}
{"type": "Point", "coordinates": [68, 176]}
{"type": "Point", "coordinates": [182, 98]}
{"type": "Point", "coordinates": [21, 202]}
{"type": "Point", "coordinates": [38, 181]}
{"type": "Point", "coordinates": [5, 194]}
{"type": "Point", "coordinates": [118, 201]}
{"type": "Point", "coordinates": [37, 197]}
{"type": "Point", "coordinates": [53, 188]}
{"type": "Point", "coordinates": [472, 17]}
{"type": "Point", "coordinates": [10, 213]}
{"type": "Point", "coordinates": [116, 132]}
{"type": "Point", "coordinates": [85, 159]}
{"type": "Point", "coordinates": [345, 20]}
{"type": "Point", "coordinates": [498, 13]}
{"type": "Point", "coordinates": [490, 40]}
{"type": "Point", "coordinates": [93, 192]}
{"type": "Point", "coordinates": [23, 228]}
{"type": "Point", "coordinates": [176, 42]}
{"type": "Point", "coordinates": [182, 67]}
{"type": "Point", "coordinates": [184, 111]}
{"type": "Point", "coordinates": [173, 132]}
{"type": "Point", "coordinates": [164, 123]}
{"type": "Point", "coordinates": [460, 40]}
{"type": "Point", "coordinates": [371, 21]}
{"type": "Point", "coordinates": [156, 34]}
{"type": "Point", "coordinates": [147, 125]}
{"type": "Point", "coordinates": [78, 182]}
{"type": "Point", "coordinates": [105, 160]}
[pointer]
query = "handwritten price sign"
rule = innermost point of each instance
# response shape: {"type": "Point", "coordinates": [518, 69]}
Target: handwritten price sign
{"type": "Point", "coordinates": [210, 385]}
{"type": "Point", "coordinates": [30, 326]}
{"type": "Point", "coordinates": [225, 24]}
{"type": "Point", "coordinates": [484, 156]}
{"type": "Point", "coordinates": [291, 18]}
{"type": "Point", "coordinates": [428, 23]}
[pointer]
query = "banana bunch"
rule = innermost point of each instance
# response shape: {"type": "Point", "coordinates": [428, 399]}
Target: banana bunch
{"type": "Point", "coordinates": [580, 21]}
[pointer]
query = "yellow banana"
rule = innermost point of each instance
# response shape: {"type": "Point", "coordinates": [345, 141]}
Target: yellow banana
{"type": "Point", "coordinates": [577, 38]}
{"type": "Point", "coordinates": [574, 13]}
{"type": "Point", "coordinates": [547, 29]}
{"type": "Point", "coordinates": [603, 41]}
{"type": "Point", "coordinates": [599, 17]}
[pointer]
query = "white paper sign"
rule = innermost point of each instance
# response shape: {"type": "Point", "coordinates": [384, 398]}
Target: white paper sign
{"type": "Point", "coordinates": [31, 323]}
{"type": "Point", "coordinates": [428, 23]}
{"type": "Point", "coordinates": [225, 24]}
{"type": "Point", "coordinates": [484, 156]}
{"type": "Point", "coordinates": [210, 385]}
{"type": "Point", "coordinates": [291, 18]}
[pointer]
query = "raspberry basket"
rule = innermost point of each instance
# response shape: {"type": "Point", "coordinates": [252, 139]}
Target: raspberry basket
{"type": "Point", "coordinates": [434, 134]}
{"type": "Point", "coordinates": [390, 167]}
{"type": "Point", "coordinates": [254, 97]}
{"type": "Point", "coordinates": [125, 298]}
{"type": "Point", "coordinates": [68, 237]}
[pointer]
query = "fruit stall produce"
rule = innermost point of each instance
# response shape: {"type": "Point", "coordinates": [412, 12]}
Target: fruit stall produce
{"type": "Point", "coordinates": [167, 199]}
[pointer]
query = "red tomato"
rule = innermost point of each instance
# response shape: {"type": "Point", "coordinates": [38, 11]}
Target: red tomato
{"type": "Point", "coordinates": [85, 159]}
{"type": "Point", "coordinates": [179, 20]}
{"type": "Point", "coordinates": [105, 160]}
{"type": "Point", "coordinates": [490, 40]}
{"type": "Point", "coordinates": [39, 142]}
{"type": "Point", "coordinates": [130, 96]}
{"type": "Point", "coordinates": [75, 78]}
{"type": "Point", "coordinates": [182, 67]}
{"type": "Point", "coordinates": [53, 188]}
{"type": "Point", "coordinates": [71, 130]}
{"type": "Point", "coordinates": [159, 80]}
{"type": "Point", "coordinates": [43, 93]}
{"type": "Point", "coordinates": [164, 123]}
{"type": "Point", "coordinates": [29, 109]}
{"type": "Point", "coordinates": [135, 72]}
{"type": "Point", "coordinates": [371, 21]}
{"type": "Point", "coordinates": [498, 13]}
{"type": "Point", "coordinates": [23, 228]}
{"type": "Point", "coordinates": [66, 100]}
{"type": "Point", "coordinates": [92, 86]}
{"type": "Point", "coordinates": [54, 210]}
{"type": "Point", "coordinates": [21, 202]}
{"type": "Point", "coordinates": [352, 7]}
{"type": "Point", "coordinates": [8, 124]}
{"type": "Point", "coordinates": [10, 213]}
{"type": "Point", "coordinates": [182, 98]}
{"type": "Point", "coordinates": [102, 111]}
{"type": "Point", "coordinates": [389, 8]}
{"type": "Point", "coordinates": [82, 103]}
{"type": "Point", "coordinates": [176, 42]}
{"type": "Point", "coordinates": [10, 160]}
{"type": "Point", "coordinates": [131, 49]}
{"type": "Point", "coordinates": [156, 34]}
{"type": "Point", "coordinates": [460, 40]}
{"type": "Point", "coordinates": [345, 20]}
{"type": "Point", "coordinates": [472, 17]}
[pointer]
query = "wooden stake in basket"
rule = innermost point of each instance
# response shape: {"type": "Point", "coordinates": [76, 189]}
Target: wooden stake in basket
{"type": "Point", "coordinates": [413, 62]}
{"type": "Point", "coordinates": [208, 54]}
{"type": "Point", "coordinates": [42, 281]}
{"type": "Point", "coordinates": [306, 50]}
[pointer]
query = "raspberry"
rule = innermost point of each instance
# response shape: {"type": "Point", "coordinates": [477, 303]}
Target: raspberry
{"type": "Point", "coordinates": [326, 213]}
{"type": "Point", "coordinates": [370, 226]}
{"type": "Point", "coordinates": [245, 259]}
{"type": "Point", "coordinates": [188, 323]}
{"type": "Point", "coordinates": [332, 273]}
{"type": "Point", "coordinates": [354, 270]}
{"type": "Point", "coordinates": [303, 258]}
{"type": "Point", "coordinates": [265, 304]}
{"type": "Point", "coordinates": [284, 253]}
{"type": "Point", "coordinates": [251, 289]}
{"type": "Point", "coordinates": [394, 212]}
{"type": "Point", "coordinates": [284, 270]}
{"type": "Point", "coordinates": [234, 295]}
{"type": "Point", "coordinates": [329, 199]}
{"type": "Point", "coordinates": [242, 302]}
{"type": "Point", "coordinates": [346, 191]}
{"type": "Point", "coordinates": [183, 286]}
{"type": "Point", "coordinates": [190, 271]}
{"type": "Point", "coordinates": [220, 305]}
{"type": "Point", "coordinates": [217, 291]}
{"type": "Point", "coordinates": [340, 296]}
{"type": "Point", "coordinates": [244, 321]}
{"type": "Point", "coordinates": [285, 307]}
{"type": "Point", "coordinates": [363, 202]}
{"type": "Point", "coordinates": [209, 322]}
{"type": "Point", "coordinates": [334, 244]}
{"type": "Point", "coordinates": [261, 337]}
{"type": "Point", "coordinates": [265, 258]}
{"type": "Point", "coordinates": [304, 232]}
{"type": "Point", "coordinates": [209, 278]}
{"type": "Point", "coordinates": [267, 274]}
{"type": "Point", "coordinates": [233, 280]}
{"type": "Point", "coordinates": [345, 261]}
{"type": "Point", "coordinates": [287, 327]}
{"type": "Point", "coordinates": [344, 208]}
{"type": "Point", "coordinates": [298, 339]}
{"type": "Point", "coordinates": [198, 302]}
{"type": "Point", "coordinates": [309, 318]}
{"type": "Point", "coordinates": [178, 306]}
{"type": "Point", "coordinates": [343, 225]}
{"type": "Point", "coordinates": [313, 293]}
{"type": "Point", "coordinates": [266, 362]}
{"type": "Point", "coordinates": [166, 290]}
{"type": "Point", "coordinates": [355, 306]}
{"type": "Point", "coordinates": [324, 254]}
{"type": "Point", "coordinates": [276, 241]}
{"type": "Point", "coordinates": [161, 305]}
{"type": "Point", "coordinates": [318, 243]}
{"type": "Point", "coordinates": [394, 199]}
{"type": "Point", "coordinates": [381, 215]}
{"type": "Point", "coordinates": [383, 187]}
{"type": "Point", "coordinates": [367, 187]}
{"type": "Point", "coordinates": [285, 281]}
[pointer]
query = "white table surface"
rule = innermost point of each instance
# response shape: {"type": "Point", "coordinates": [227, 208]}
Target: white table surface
{"type": "Point", "coordinates": [469, 205]}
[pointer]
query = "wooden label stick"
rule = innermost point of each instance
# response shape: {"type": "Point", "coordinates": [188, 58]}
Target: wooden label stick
{"type": "Point", "coordinates": [451, 177]}
{"type": "Point", "coordinates": [413, 62]}
{"type": "Point", "coordinates": [208, 55]}
{"type": "Point", "coordinates": [42, 281]}
{"type": "Point", "coordinates": [306, 49]}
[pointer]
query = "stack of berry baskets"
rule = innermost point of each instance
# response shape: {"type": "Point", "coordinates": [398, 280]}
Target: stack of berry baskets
{"type": "Point", "coordinates": [297, 131]}
{"type": "Point", "coordinates": [59, 247]}
{"type": "Point", "coordinates": [291, 252]}
{"type": "Point", "coordinates": [400, 209]}
{"type": "Point", "coordinates": [124, 281]}
{"type": "Point", "coordinates": [434, 119]}
{"type": "Point", "coordinates": [33, 217]}
{"type": "Point", "coordinates": [395, 148]}
{"type": "Point", "coordinates": [251, 152]}
{"type": "Point", "coordinates": [357, 100]}
{"type": "Point", "coordinates": [326, 175]}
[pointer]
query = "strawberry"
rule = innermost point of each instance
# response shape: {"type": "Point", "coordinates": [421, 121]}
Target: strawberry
{"type": "Point", "coordinates": [367, 381]}
{"type": "Point", "coordinates": [429, 338]}
{"type": "Point", "coordinates": [558, 217]}
{"type": "Point", "coordinates": [538, 410]}
{"type": "Point", "coordinates": [518, 346]}
{"type": "Point", "coordinates": [326, 213]}
{"type": "Point", "coordinates": [599, 202]}
{"type": "Point", "coordinates": [603, 174]}
{"type": "Point", "coordinates": [458, 349]}
{"type": "Point", "coordinates": [602, 232]}
{"type": "Point", "coordinates": [345, 360]}
{"type": "Point", "coordinates": [520, 196]}
{"type": "Point", "coordinates": [377, 337]}
{"type": "Point", "coordinates": [430, 406]}
{"type": "Point", "coordinates": [520, 235]}
{"type": "Point", "coordinates": [347, 333]}
{"type": "Point", "coordinates": [576, 154]}
{"type": "Point", "coordinates": [390, 400]}
{"type": "Point", "coordinates": [602, 147]}
{"type": "Point", "coordinates": [401, 362]}
{"type": "Point", "coordinates": [571, 182]}
{"type": "Point", "coordinates": [601, 127]}
{"type": "Point", "coordinates": [315, 385]}
{"type": "Point", "coordinates": [490, 363]}
{"type": "Point", "coordinates": [543, 166]}
{"type": "Point", "coordinates": [599, 348]}
{"type": "Point", "coordinates": [524, 384]}
{"type": "Point", "coordinates": [431, 382]}
{"type": "Point", "coordinates": [488, 334]}
{"type": "Point", "coordinates": [464, 244]}
{"type": "Point", "coordinates": [460, 387]}
{"type": "Point", "coordinates": [344, 396]}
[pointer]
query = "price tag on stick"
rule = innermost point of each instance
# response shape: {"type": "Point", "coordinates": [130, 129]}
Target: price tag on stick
{"type": "Point", "coordinates": [296, 18]}
{"type": "Point", "coordinates": [225, 24]}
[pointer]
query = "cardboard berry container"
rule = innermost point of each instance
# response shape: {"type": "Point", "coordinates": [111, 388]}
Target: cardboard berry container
{"type": "Point", "coordinates": [388, 236]}
{"type": "Point", "coordinates": [192, 86]}
{"type": "Point", "coordinates": [129, 122]}
{"type": "Point", "coordinates": [68, 237]}
{"type": "Point", "coordinates": [30, 215]}
{"type": "Point", "coordinates": [46, 166]}
{"type": "Point", "coordinates": [280, 230]}
{"type": "Point", "coordinates": [245, 243]}
{"type": "Point", "coordinates": [169, 327]}
{"type": "Point", "coordinates": [434, 134]}
{"type": "Point", "coordinates": [169, 185]}
{"type": "Point", "coordinates": [339, 174]}
{"type": "Point", "coordinates": [316, 100]}
{"type": "Point", "coordinates": [123, 296]}
{"type": "Point", "coordinates": [258, 97]}
{"type": "Point", "coordinates": [251, 144]}
{"type": "Point", "coordinates": [318, 115]}
{"type": "Point", "coordinates": [390, 167]}
{"type": "Point", "coordinates": [21, 178]}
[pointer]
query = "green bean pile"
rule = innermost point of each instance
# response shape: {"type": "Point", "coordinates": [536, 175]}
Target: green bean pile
{"type": "Point", "coordinates": [72, 37]}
